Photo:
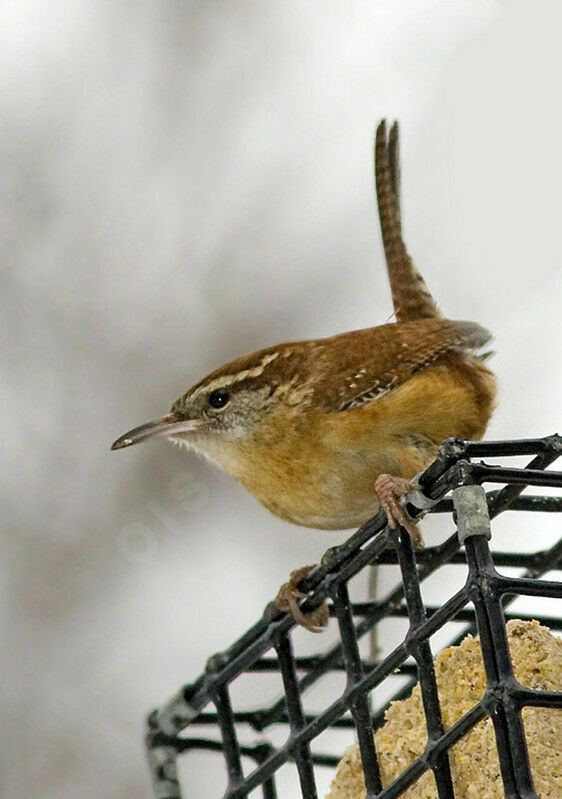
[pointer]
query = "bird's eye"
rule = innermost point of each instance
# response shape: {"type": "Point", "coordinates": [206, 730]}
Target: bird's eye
{"type": "Point", "coordinates": [218, 398]}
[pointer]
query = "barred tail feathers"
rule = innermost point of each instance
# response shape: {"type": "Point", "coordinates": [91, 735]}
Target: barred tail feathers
{"type": "Point", "coordinates": [410, 295]}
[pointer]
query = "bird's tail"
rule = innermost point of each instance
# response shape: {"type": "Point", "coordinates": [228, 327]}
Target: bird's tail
{"type": "Point", "coordinates": [410, 295]}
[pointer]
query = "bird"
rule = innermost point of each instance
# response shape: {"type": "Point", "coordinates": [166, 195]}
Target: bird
{"type": "Point", "coordinates": [325, 432]}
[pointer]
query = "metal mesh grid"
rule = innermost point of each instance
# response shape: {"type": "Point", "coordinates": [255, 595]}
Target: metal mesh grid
{"type": "Point", "coordinates": [480, 604]}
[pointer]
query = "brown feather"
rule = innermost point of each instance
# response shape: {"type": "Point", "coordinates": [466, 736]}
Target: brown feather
{"type": "Point", "coordinates": [351, 369]}
{"type": "Point", "coordinates": [410, 295]}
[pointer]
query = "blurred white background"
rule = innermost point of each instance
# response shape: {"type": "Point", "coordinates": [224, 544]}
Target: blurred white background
{"type": "Point", "coordinates": [181, 183]}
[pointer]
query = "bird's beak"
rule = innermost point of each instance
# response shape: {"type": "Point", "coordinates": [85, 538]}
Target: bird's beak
{"type": "Point", "coordinates": [167, 426]}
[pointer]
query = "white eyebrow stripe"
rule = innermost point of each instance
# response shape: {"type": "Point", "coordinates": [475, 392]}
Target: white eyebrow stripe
{"type": "Point", "coordinates": [229, 380]}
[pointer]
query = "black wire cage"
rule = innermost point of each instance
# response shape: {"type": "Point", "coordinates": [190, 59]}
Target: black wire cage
{"type": "Point", "coordinates": [479, 605]}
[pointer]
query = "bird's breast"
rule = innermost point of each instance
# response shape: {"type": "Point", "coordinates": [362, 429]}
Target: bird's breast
{"type": "Point", "coordinates": [318, 469]}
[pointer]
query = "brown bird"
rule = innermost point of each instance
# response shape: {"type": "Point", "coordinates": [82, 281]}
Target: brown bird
{"type": "Point", "coordinates": [324, 432]}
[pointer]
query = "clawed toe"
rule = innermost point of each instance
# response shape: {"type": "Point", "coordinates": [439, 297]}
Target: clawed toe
{"type": "Point", "coordinates": [390, 490]}
{"type": "Point", "coordinates": [288, 598]}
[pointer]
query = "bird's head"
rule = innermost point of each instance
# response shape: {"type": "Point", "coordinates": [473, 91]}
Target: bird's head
{"type": "Point", "coordinates": [229, 405]}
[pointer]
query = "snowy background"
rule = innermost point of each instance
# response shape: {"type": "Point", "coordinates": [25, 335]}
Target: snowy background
{"type": "Point", "coordinates": [181, 183]}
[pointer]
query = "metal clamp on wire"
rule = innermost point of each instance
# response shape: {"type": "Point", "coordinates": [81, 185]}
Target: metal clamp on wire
{"type": "Point", "coordinates": [471, 512]}
{"type": "Point", "coordinates": [415, 503]}
{"type": "Point", "coordinates": [174, 716]}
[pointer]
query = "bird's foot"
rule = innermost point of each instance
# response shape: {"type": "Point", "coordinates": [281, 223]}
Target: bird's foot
{"type": "Point", "coordinates": [390, 490]}
{"type": "Point", "coordinates": [288, 599]}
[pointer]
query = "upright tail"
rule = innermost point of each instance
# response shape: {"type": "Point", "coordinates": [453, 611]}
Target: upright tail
{"type": "Point", "coordinates": [410, 295]}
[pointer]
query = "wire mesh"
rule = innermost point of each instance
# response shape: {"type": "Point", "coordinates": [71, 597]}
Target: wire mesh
{"type": "Point", "coordinates": [480, 605]}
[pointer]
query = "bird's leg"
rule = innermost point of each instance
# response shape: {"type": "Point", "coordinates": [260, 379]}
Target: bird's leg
{"type": "Point", "coordinates": [390, 490]}
{"type": "Point", "coordinates": [288, 597]}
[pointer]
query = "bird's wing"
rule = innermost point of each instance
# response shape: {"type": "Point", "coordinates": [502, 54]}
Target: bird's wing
{"type": "Point", "coordinates": [365, 364]}
{"type": "Point", "coordinates": [410, 295]}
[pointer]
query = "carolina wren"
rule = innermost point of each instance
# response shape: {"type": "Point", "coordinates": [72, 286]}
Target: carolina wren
{"type": "Point", "coordinates": [309, 427]}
